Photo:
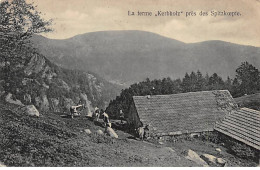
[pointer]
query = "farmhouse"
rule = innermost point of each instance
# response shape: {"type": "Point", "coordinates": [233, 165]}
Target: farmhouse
{"type": "Point", "coordinates": [177, 114]}
{"type": "Point", "coordinates": [242, 125]}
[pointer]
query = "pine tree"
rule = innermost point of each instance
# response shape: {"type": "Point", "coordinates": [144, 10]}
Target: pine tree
{"type": "Point", "coordinates": [215, 82]}
{"type": "Point", "coordinates": [201, 82]}
{"type": "Point", "coordinates": [186, 83]}
{"type": "Point", "coordinates": [193, 81]}
{"type": "Point", "coordinates": [228, 84]}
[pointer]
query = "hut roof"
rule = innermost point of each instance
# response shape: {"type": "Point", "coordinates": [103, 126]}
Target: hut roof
{"type": "Point", "coordinates": [242, 125]}
{"type": "Point", "coordinates": [184, 112]}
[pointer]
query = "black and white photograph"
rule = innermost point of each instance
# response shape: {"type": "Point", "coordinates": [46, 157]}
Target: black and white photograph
{"type": "Point", "coordinates": [130, 83]}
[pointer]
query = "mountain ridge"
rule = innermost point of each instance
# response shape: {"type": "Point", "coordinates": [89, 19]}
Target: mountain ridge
{"type": "Point", "coordinates": [94, 32]}
{"type": "Point", "coordinates": [132, 56]}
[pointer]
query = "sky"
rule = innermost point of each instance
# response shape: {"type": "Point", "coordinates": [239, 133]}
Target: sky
{"type": "Point", "coordinates": [73, 17]}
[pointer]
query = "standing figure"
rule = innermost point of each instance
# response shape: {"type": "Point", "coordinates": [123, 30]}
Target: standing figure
{"type": "Point", "coordinates": [106, 119]}
{"type": "Point", "coordinates": [146, 132]}
{"type": "Point", "coordinates": [140, 132]}
{"type": "Point", "coordinates": [121, 116]}
{"type": "Point", "coordinates": [97, 113]}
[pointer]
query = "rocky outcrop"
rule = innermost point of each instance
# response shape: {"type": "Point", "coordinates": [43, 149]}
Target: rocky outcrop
{"type": "Point", "coordinates": [87, 131]}
{"type": "Point", "coordinates": [210, 159]}
{"type": "Point", "coordinates": [111, 132]}
{"type": "Point", "coordinates": [219, 150]}
{"type": "Point", "coordinates": [42, 103]}
{"type": "Point", "coordinates": [35, 65]}
{"type": "Point", "coordinates": [2, 164]}
{"type": "Point", "coordinates": [193, 156]}
{"type": "Point", "coordinates": [31, 111]}
{"type": "Point", "coordinates": [89, 108]}
{"type": "Point", "coordinates": [9, 99]}
{"type": "Point", "coordinates": [213, 160]}
{"type": "Point", "coordinates": [221, 161]}
{"type": "Point", "coordinates": [100, 132]}
{"type": "Point", "coordinates": [51, 88]}
{"type": "Point", "coordinates": [94, 86]}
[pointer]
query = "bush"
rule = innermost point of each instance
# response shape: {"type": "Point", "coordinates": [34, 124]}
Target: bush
{"type": "Point", "coordinates": [243, 151]}
{"type": "Point", "coordinates": [210, 136]}
{"type": "Point", "coordinates": [238, 148]}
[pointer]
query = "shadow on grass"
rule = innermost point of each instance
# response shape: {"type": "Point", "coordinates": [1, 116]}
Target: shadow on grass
{"type": "Point", "coordinates": [66, 116]}
{"type": "Point", "coordinates": [131, 137]}
{"type": "Point", "coordinates": [100, 124]}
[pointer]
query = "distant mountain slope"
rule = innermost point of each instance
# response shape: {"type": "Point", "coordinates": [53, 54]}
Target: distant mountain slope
{"type": "Point", "coordinates": [35, 80]}
{"type": "Point", "coordinates": [131, 56]}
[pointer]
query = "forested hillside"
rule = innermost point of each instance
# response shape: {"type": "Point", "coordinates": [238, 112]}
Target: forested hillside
{"type": "Point", "coordinates": [246, 81]}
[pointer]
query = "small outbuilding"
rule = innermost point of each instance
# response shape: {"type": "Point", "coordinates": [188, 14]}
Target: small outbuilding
{"type": "Point", "coordinates": [182, 113]}
{"type": "Point", "coordinates": [243, 125]}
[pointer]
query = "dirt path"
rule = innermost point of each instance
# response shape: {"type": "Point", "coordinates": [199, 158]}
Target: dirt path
{"type": "Point", "coordinates": [126, 151]}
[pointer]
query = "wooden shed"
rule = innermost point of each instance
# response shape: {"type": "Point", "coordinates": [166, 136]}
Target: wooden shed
{"type": "Point", "coordinates": [176, 114]}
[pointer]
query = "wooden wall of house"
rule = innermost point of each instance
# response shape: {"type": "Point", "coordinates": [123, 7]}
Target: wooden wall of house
{"type": "Point", "coordinates": [133, 118]}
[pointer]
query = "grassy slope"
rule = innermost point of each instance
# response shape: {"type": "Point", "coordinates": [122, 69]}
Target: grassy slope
{"type": "Point", "coordinates": [250, 101]}
{"type": "Point", "coordinates": [54, 141]}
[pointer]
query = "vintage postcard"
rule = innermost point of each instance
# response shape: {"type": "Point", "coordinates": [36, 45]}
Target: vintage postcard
{"type": "Point", "coordinates": [133, 83]}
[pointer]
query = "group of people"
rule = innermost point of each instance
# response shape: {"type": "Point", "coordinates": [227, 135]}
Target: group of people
{"type": "Point", "coordinates": [142, 132]}
{"type": "Point", "coordinates": [98, 112]}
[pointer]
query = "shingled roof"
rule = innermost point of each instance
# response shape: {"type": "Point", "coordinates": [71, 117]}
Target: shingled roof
{"type": "Point", "coordinates": [185, 112]}
{"type": "Point", "coordinates": [242, 125]}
